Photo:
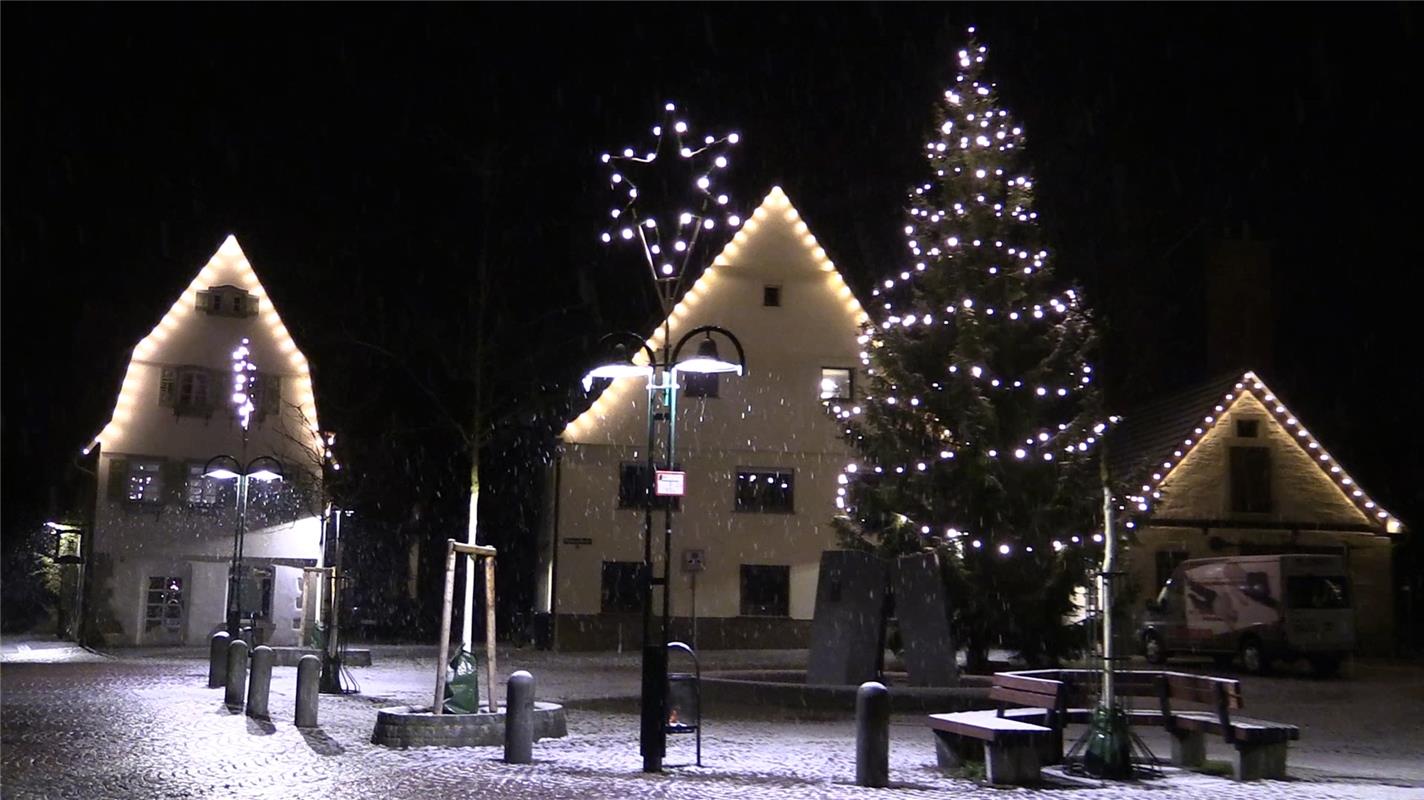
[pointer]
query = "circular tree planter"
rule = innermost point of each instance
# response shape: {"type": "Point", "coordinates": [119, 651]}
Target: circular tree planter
{"type": "Point", "coordinates": [407, 726]}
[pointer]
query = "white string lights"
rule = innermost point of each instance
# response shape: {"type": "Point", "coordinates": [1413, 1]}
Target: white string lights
{"type": "Point", "coordinates": [974, 333]}
{"type": "Point", "coordinates": [667, 195]}
{"type": "Point", "coordinates": [242, 378]}
{"type": "Point", "coordinates": [1252, 384]}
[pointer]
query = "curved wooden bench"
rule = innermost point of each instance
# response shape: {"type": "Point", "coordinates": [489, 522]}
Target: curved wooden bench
{"type": "Point", "coordinates": [1010, 746]}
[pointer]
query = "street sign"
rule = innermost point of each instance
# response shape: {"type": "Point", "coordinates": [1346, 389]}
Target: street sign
{"type": "Point", "coordinates": [670, 483]}
{"type": "Point", "coordinates": [694, 560]}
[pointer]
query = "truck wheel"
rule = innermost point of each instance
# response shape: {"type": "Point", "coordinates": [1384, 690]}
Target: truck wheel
{"type": "Point", "coordinates": [1253, 658]}
{"type": "Point", "coordinates": [1325, 666]}
{"type": "Point", "coordinates": [1153, 649]}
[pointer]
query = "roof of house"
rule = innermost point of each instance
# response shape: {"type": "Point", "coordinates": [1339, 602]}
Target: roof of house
{"type": "Point", "coordinates": [1150, 442]}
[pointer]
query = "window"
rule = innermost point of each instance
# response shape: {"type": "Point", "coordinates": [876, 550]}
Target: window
{"type": "Point", "coordinates": [203, 492]}
{"type": "Point", "coordinates": [145, 481]}
{"type": "Point", "coordinates": [622, 586]}
{"type": "Point", "coordinates": [256, 593]}
{"type": "Point", "coordinates": [188, 390]}
{"type": "Point", "coordinates": [835, 383]}
{"type": "Point", "coordinates": [771, 296]}
{"type": "Point", "coordinates": [193, 389]}
{"type": "Point", "coordinates": [1167, 561]}
{"type": "Point", "coordinates": [1250, 480]}
{"type": "Point", "coordinates": [635, 483]}
{"type": "Point", "coordinates": [698, 384]}
{"type": "Point", "coordinates": [1247, 428]}
{"type": "Point", "coordinates": [766, 491]}
{"type": "Point", "coordinates": [163, 605]}
{"type": "Point", "coordinates": [766, 590]}
{"type": "Point", "coordinates": [1317, 592]}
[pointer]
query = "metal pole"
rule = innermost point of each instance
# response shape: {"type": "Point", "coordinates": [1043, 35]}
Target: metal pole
{"type": "Point", "coordinates": [445, 608]}
{"type": "Point", "coordinates": [670, 402]}
{"type": "Point", "coordinates": [1105, 591]}
{"type": "Point", "coordinates": [489, 627]}
{"type": "Point", "coordinates": [654, 677]}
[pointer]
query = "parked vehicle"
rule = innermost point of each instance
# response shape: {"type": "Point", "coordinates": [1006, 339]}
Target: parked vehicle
{"type": "Point", "coordinates": [1260, 608]}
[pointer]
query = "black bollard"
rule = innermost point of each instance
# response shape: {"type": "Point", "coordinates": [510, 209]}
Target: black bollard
{"type": "Point", "coordinates": [308, 688]}
{"type": "Point", "coordinates": [217, 659]}
{"type": "Point", "coordinates": [259, 686]}
{"type": "Point", "coordinates": [872, 735]}
{"type": "Point", "coordinates": [519, 719]}
{"type": "Point", "coordinates": [236, 673]}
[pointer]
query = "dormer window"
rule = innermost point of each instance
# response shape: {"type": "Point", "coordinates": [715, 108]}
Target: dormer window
{"type": "Point", "coordinates": [227, 301]}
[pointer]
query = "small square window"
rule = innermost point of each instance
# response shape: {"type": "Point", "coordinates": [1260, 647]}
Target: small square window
{"type": "Point", "coordinates": [766, 491]}
{"type": "Point", "coordinates": [201, 491]}
{"type": "Point", "coordinates": [699, 384]}
{"type": "Point", "coordinates": [1247, 428]}
{"type": "Point", "coordinates": [621, 586]}
{"type": "Point", "coordinates": [836, 383]}
{"type": "Point", "coordinates": [635, 483]}
{"type": "Point", "coordinates": [771, 296]}
{"type": "Point", "coordinates": [766, 590]}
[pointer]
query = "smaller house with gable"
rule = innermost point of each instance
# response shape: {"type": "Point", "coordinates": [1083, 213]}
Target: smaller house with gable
{"type": "Point", "coordinates": [163, 528]}
{"type": "Point", "coordinates": [760, 453]}
{"type": "Point", "coordinates": [1226, 468]}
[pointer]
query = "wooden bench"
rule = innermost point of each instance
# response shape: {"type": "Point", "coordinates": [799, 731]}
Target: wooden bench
{"type": "Point", "coordinates": [1011, 748]}
{"type": "Point", "coordinates": [1259, 746]}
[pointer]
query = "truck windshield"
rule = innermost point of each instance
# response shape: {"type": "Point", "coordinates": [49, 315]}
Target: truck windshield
{"type": "Point", "coordinates": [1317, 591]}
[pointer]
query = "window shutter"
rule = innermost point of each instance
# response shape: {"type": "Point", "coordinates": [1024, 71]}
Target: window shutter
{"type": "Point", "coordinates": [168, 387]}
{"type": "Point", "coordinates": [270, 398]}
{"type": "Point", "coordinates": [118, 479]}
{"type": "Point", "coordinates": [175, 481]}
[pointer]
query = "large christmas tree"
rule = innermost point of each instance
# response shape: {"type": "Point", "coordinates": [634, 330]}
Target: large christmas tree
{"type": "Point", "coordinates": [975, 433]}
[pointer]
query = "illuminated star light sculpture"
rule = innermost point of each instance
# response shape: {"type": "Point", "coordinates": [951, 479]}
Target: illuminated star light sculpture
{"type": "Point", "coordinates": [242, 379]}
{"type": "Point", "coordinates": [668, 198]}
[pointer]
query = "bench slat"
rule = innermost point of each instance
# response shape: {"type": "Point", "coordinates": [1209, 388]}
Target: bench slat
{"type": "Point", "coordinates": [1034, 699]}
{"type": "Point", "coordinates": [985, 725]}
{"type": "Point", "coordinates": [1027, 684]}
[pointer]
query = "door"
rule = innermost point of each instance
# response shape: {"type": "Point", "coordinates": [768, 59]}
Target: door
{"type": "Point", "coordinates": [165, 610]}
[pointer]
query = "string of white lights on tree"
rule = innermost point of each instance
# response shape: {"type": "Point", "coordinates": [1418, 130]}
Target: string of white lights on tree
{"type": "Point", "coordinates": [976, 363]}
{"type": "Point", "coordinates": [242, 381]}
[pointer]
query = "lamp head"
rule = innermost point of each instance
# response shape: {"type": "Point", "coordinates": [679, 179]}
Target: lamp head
{"type": "Point", "coordinates": [619, 366]}
{"type": "Point", "coordinates": [708, 361]}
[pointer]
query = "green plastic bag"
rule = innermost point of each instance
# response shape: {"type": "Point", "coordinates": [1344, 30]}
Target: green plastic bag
{"type": "Point", "coordinates": [462, 684]}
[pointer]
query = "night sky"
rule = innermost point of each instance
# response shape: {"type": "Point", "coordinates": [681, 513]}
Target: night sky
{"type": "Point", "coordinates": [368, 157]}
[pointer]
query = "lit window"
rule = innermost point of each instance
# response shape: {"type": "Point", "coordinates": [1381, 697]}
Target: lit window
{"type": "Point", "coordinates": [766, 491]}
{"type": "Point", "coordinates": [836, 383]}
{"type": "Point", "coordinates": [145, 481]}
{"type": "Point", "coordinates": [163, 606]}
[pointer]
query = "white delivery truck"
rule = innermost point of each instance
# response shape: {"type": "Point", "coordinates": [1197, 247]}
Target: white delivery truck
{"type": "Point", "coordinates": [1261, 608]}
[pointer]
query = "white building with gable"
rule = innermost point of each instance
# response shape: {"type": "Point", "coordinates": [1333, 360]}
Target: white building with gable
{"type": "Point", "coordinates": [760, 452]}
{"type": "Point", "coordinates": [158, 557]}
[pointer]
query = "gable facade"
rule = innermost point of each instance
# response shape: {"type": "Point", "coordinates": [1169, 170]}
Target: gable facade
{"type": "Point", "coordinates": [759, 550]}
{"type": "Point", "coordinates": [1245, 476]}
{"type": "Point", "coordinates": [163, 534]}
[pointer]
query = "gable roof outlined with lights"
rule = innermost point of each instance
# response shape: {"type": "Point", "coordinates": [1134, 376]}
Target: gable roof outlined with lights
{"type": "Point", "coordinates": [774, 211]}
{"type": "Point", "coordinates": [227, 267]}
{"type": "Point", "coordinates": [1149, 446]}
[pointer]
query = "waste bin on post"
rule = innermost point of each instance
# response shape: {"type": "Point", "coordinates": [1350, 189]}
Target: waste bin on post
{"type": "Point", "coordinates": [684, 699]}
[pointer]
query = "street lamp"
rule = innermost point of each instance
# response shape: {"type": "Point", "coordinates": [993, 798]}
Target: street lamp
{"type": "Point", "coordinates": [665, 203]}
{"type": "Point", "coordinates": [661, 371]}
{"type": "Point", "coordinates": [226, 468]}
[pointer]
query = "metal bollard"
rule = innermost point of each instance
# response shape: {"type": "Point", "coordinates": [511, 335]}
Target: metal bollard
{"type": "Point", "coordinates": [236, 673]}
{"type": "Point", "coordinates": [519, 719]}
{"type": "Point", "coordinates": [217, 659]}
{"type": "Point", "coordinates": [259, 686]}
{"type": "Point", "coordinates": [308, 688]}
{"type": "Point", "coordinates": [872, 735]}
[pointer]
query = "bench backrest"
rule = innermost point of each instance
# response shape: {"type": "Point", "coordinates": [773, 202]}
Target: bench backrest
{"type": "Point", "coordinates": [1034, 692]}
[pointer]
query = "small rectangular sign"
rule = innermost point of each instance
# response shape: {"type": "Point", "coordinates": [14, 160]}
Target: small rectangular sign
{"type": "Point", "coordinates": [694, 560]}
{"type": "Point", "coordinates": [578, 540]}
{"type": "Point", "coordinates": [670, 483]}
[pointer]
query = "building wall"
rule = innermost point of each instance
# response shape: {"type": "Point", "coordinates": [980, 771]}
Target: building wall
{"type": "Point", "coordinates": [1303, 497]}
{"type": "Point", "coordinates": [771, 417]}
{"type": "Point", "coordinates": [133, 541]}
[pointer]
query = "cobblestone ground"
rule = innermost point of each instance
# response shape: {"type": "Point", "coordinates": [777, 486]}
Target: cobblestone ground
{"type": "Point", "coordinates": [146, 726]}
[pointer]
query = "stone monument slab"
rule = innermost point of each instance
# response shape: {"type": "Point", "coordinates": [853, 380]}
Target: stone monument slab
{"type": "Point", "coordinates": [848, 631]}
{"type": "Point", "coordinates": [922, 609]}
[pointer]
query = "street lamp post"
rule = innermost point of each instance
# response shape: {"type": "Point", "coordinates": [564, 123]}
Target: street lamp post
{"type": "Point", "coordinates": [661, 371]}
{"type": "Point", "coordinates": [667, 222]}
{"type": "Point", "coordinates": [225, 467]}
